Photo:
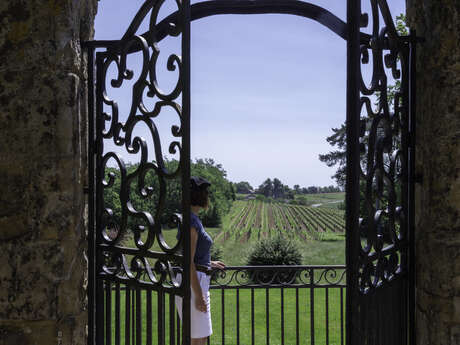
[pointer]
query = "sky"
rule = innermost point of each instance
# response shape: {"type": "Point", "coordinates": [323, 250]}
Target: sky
{"type": "Point", "coordinates": [265, 89]}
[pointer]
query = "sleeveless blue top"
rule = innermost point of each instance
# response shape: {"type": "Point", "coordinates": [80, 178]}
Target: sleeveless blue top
{"type": "Point", "coordinates": [203, 243]}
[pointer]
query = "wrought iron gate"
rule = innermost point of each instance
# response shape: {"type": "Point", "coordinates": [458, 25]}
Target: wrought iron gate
{"type": "Point", "coordinates": [380, 181]}
{"type": "Point", "coordinates": [129, 269]}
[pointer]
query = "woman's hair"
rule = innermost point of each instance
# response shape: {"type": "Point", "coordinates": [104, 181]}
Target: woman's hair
{"type": "Point", "coordinates": [199, 196]}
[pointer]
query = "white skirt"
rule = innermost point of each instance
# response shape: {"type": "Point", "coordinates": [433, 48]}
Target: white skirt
{"type": "Point", "coordinates": [201, 326]}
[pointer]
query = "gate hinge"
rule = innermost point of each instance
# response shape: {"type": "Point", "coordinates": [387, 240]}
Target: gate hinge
{"type": "Point", "coordinates": [86, 190]}
{"type": "Point", "coordinates": [418, 178]}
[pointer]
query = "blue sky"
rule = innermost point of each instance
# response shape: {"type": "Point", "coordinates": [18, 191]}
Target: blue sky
{"type": "Point", "coordinates": [266, 89]}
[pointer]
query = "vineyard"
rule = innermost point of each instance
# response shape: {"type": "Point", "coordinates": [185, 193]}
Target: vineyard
{"type": "Point", "coordinates": [253, 220]}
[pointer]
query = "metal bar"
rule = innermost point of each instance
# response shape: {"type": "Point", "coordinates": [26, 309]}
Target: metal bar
{"type": "Point", "coordinates": [238, 317]}
{"type": "Point", "coordinates": [312, 315]}
{"type": "Point", "coordinates": [352, 171]}
{"type": "Point", "coordinates": [386, 322]}
{"type": "Point", "coordinates": [148, 312]}
{"type": "Point", "coordinates": [282, 316]}
{"type": "Point", "coordinates": [178, 331]}
{"type": "Point", "coordinates": [161, 317]}
{"type": "Point", "coordinates": [297, 316]}
{"type": "Point", "coordinates": [98, 202]}
{"type": "Point", "coordinates": [91, 203]}
{"type": "Point", "coordinates": [127, 315]}
{"type": "Point", "coordinates": [327, 316]}
{"type": "Point", "coordinates": [267, 313]}
{"type": "Point", "coordinates": [223, 316]}
{"type": "Point", "coordinates": [108, 313]}
{"type": "Point", "coordinates": [138, 317]}
{"type": "Point", "coordinates": [133, 317]}
{"type": "Point", "coordinates": [341, 316]}
{"type": "Point", "coordinates": [185, 166]}
{"type": "Point", "coordinates": [172, 316]}
{"type": "Point", "coordinates": [117, 314]}
{"type": "Point", "coordinates": [412, 127]}
{"type": "Point", "coordinates": [252, 318]}
{"type": "Point", "coordinates": [218, 7]}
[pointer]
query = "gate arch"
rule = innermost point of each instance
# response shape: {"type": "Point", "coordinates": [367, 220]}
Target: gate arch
{"type": "Point", "coordinates": [379, 273]}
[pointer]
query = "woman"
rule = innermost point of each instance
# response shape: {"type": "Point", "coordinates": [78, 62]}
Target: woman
{"type": "Point", "coordinates": [200, 266]}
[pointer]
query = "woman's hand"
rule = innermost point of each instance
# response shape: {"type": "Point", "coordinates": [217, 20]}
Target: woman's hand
{"type": "Point", "coordinates": [217, 264]}
{"type": "Point", "coordinates": [200, 304]}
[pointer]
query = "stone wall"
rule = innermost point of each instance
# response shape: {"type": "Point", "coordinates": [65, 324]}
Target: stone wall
{"type": "Point", "coordinates": [42, 170]}
{"type": "Point", "coordinates": [438, 159]}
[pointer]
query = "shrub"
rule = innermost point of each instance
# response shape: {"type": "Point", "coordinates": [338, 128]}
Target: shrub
{"type": "Point", "coordinates": [261, 197]}
{"type": "Point", "coordinates": [216, 253]}
{"type": "Point", "coordinates": [274, 251]}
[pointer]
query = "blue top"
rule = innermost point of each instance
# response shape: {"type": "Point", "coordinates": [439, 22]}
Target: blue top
{"type": "Point", "coordinates": [203, 243]}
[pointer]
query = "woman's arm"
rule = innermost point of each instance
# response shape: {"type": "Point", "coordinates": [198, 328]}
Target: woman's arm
{"type": "Point", "coordinates": [200, 302]}
{"type": "Point", "coordinates": [218, 264]}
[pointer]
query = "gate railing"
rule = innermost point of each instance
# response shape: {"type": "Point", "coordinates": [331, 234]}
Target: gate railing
{"type": "Point", "coordinates": [249, 305]}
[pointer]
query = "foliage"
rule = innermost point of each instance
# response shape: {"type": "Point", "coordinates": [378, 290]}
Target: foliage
{"type": "Point", "coordinates": [341, 206]}
{"type": "Point", "coordinates": [277, 190]}
{"type": "Point", "coordinates": [216, 253]}
{"type": "Point", "coordinates": [243, 187]}
{"type": "Point", "coordinates": [221, 198]}
{"type": "Point", "coordinates": [339, 156]}
{"type": "Point", "coordinates": [338, 138]}
{"type": "Point", "coordinates": [301, 200]}
{"type": "Point", "coordinates": [261, 197]}
{"type": "Point", "coordinates": [276, 250]}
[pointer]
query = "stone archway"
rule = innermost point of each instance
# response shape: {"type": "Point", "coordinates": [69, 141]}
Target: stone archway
{"type": "Point", "coordinates": [42, 169]}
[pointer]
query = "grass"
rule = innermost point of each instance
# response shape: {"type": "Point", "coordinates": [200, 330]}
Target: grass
{"type": "Point", "coordinates": [313, 252]}
{"type": "Point", "coordinates": [323, 197]}
{"type": "Point", "coordinates": [223, 303]}
{"type": "Point", "coordinates": [328, 251]}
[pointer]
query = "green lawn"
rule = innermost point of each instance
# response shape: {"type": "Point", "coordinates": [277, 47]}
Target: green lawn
{"type": "Point", "coordinates": [235, 254]}
{"type": "Point", "coordinates": [228, 309]}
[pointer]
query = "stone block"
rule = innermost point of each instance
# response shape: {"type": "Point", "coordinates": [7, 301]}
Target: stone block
{"type": "Point", "coordinates": [28, 332]}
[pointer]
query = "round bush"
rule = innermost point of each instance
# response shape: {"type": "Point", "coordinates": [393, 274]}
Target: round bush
{"type": "Point", "coordinates": [274, 251]}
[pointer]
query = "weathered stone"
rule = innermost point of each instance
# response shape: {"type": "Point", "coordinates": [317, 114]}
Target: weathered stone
{"type": "Point", "coordinates": [28, 332]}
{"type": "Point", "coordinates": [438, 159]}
{"type": "Point", "coordinates": [43, 269]}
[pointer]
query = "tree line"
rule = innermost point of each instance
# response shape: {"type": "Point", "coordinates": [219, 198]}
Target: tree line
{"type": "Point", "coordinates": [276, 189]}
{"type": "Point", "coordinates": [144, 197]}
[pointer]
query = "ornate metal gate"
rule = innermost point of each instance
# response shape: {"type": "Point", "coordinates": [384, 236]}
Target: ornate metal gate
{"type": "Point", "coordinates": [380, 181]}
{"type": "Point", "coordinates": [131, 264]}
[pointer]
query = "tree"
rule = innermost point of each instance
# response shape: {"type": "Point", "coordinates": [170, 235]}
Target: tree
{"type": "Point", "coordinates": [338, 138]}
{"type": "Point", "coordinates": [222, 194]}
{"type": "Point", "coordinates": [339, 156]}
{"type": "Point", "coordinates": [278, 188]}
{"type": "Point", "coordinates": [266, 188]}
{"type": "Point", "coordinates": [312, 190]}
{"type": "Point", "coordinates": [243, 187]}
{"type": "Point", "coordinates": [297, 189]}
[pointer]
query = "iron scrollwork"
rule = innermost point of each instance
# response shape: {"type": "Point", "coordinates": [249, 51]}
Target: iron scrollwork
{"type": "Point", "coordinates": [278, 276]}
{"type": "Point", "coordinates": [384, 147]}
{"type": "Point", "coordinates": [136, 262]}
